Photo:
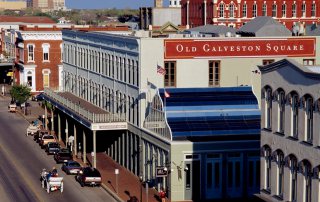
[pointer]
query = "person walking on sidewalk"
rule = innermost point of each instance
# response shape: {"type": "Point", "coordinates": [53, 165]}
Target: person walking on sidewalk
{"type": "Point", "coordinates": [162, 195]}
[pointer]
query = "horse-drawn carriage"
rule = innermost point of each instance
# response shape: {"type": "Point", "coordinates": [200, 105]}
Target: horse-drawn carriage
{"type": "Point", "coordinates": [51, 181]}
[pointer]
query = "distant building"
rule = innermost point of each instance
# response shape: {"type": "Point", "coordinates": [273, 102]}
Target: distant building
{"type": "Point", "coordinates": [236, 13]}
{"type": "Point", "coordinates": [13, 5]}
{"type": "Point", "coordinates": [159, 15]}
{"type": "Point", "coordinates": [290, 156]}
{"type": "Point", "coordinates": [47, 5]}
{"type": "Point", "coordinates": [175, 3]}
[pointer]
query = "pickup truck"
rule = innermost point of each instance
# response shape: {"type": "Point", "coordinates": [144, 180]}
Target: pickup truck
{"type": "Point", "coordinates": [89, 176]}
{"type": "Point", "coordinates": [45, 139]}
{"type": "Point", "coordinates": [64, 155]}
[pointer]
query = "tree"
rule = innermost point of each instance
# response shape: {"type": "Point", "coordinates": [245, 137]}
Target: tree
{"type": "Point", "coordinates": [20, 93]}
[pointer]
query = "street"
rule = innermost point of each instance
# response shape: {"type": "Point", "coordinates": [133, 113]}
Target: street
{"type": "Point", "coordinates": [21, 161]}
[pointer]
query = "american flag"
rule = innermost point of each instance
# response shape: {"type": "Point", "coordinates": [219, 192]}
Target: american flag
{"type": "Point", "coordinates": [161, 70]}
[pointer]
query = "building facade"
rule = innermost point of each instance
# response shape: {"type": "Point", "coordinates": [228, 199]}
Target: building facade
{"type": "Point", "coordinates": [118, 74]}
{"type": "Point", "coordinates": [47, 5]}
{"type": "Point", "coordinates": [290, 134]}
{"type": "Point", "coordinates": [236, 13]}
{"type": "Point", "coordinates": [13, 5]}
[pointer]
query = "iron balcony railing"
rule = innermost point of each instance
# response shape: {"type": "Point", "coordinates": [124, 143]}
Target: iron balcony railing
{"type": "Point", "coordinates": [92, 117]}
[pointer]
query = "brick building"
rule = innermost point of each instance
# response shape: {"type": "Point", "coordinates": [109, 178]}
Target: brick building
{"type": "Point", "coordinates": [236, 13]}
{"type": "Point", "coordinates": [39, 54]}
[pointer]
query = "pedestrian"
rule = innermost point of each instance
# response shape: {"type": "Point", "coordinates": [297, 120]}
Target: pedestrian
{"type": "Point", "coordinates": [162, 195]}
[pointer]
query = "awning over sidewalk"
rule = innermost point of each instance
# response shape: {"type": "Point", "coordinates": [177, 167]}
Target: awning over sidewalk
{"type": "Point", "coordinates": [84, 112]}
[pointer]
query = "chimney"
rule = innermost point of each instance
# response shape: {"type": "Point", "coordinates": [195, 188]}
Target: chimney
{"type": "Point", "coordinates": [158, 3]}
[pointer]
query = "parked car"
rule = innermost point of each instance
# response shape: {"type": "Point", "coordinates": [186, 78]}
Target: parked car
{"type": "Point", "coordinates": [52, 147]}
{"type": "Point", "coordinates": [64, 155]}
{"type": "Point", "coordinates": [37, 137]}
{"type": "Point", "coordinates": [89, 176]}
{"type": "Point", "coordinates": [45, 139]}
{"type": "Point", "coordinates": [12, 107]}
{"type": "Point", "coordinates": [71, 167]}
{"type": "Point", "coordinates": [37, 97]}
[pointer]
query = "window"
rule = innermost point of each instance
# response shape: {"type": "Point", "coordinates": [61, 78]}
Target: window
{"type": "Point", "coordinates": [45, 50]}
{"type": "Point", "coordinates": [313, 10]}
{"type": "Point", "coordinates": [293, 177]}
{"type": "Point", "coordinates": [244, 10]}
{"type": "Point", "coordinates": [284, 10]}
{"type": "Point", "coordinates": [267, 166]}
{"type": "Point", "coordinates": [308, 61]}
{"type": "Point", "coordinates": [61, 49]}
{"type": "Point", "coordinates": [303, 9]}
{"type": "Point", "coordinates": [294, 115]}
{"type": "Point", "coordinates": [280, 169]}
{"type": "Point", "coordinates": [46, 78]}
{"type": "Point", "coordinates": [254, 10]}
{"type": "Point", "coordinates": [309, 119]}
{"type": "Point", "coordinates": [221, 10]}
{"type": "Point", "coordinates": [274, 10]}
{"type": "Point", "coordinates": [281, 111]}
{"type": "Point", "coordinates": [268, 108]}
{"type": "Point", "coordinates": [267, 62]}
{"type": "Point", "coordinates": [214, 73]}
{"type": "Point", "coordinates": [170, 76]}
{"type": "Point", "coordinates": [294, 10]}
{"type": "Point", "coordinates": [231, 11]}
{"type": "Point", "coordinates": [307, 181]}
{"type": "Point", "coordinates": [30, 52]}
{"type": "Point", "coordinates": [264, 9]}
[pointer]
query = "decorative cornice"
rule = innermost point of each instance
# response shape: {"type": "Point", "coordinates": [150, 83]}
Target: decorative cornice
{"type": "Point", "coordinates": [36, 36]}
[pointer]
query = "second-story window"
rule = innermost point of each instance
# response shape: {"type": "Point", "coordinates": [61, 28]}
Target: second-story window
{"type": "Point", "coordinates": [281, 111]}
{"type": "Point", "coordinates": [313, 10]}
{"type": "Point", "coordinates": [274, 10]}
{"type": "Point", "coordinates": [244, 10]}
{"type": "Point", "coordinates": [303, 10]}
{"type": "Point", "coordinates": [221, 10]}
{"type": "Point", "coordinates": [264, 9]}
{"type": "Point", "coordinates": [30, 52]}
{"type": "Point", "coordinates": [254, 10]}
{"type": "Point", "coordinates": [170, 76]}
{"type": "Point", "coordinates": [268, 108]}
{"type": "Point", "coordinates": [309, 119]}
{"type": "Point", "coordinates": [294, 115]}
{"type": "Point", "coordinates": [214, 73]}
{"type": "Point", "coordinates": [231, 11]}
{"type": "Point", "coordinates": [294, 10]}
{"type": "Point", "coordinates": [45, 50]}
{"type": "Point", "coordinates": [284, 10]}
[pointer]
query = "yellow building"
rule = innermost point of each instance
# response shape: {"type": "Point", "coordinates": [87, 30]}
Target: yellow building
{"type": "Point", "coordinates": [13, 5]}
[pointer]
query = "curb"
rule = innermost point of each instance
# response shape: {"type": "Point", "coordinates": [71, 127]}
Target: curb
{"type": "Point", "coordinates": [114, 195]}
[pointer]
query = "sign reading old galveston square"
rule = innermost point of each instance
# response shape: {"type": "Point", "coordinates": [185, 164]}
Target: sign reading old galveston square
{"type": "Point", "coordinates": [258, 47]}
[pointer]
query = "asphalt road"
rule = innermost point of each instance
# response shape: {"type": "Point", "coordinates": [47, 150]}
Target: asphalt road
{"type": "Point", "coordinates": [21, 161]}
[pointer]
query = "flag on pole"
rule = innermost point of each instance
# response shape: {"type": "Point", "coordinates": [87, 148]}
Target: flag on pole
{"type": "Point", "coordinates": [166, 94]}
{"type": "Point", "coordinates": [161, 70]}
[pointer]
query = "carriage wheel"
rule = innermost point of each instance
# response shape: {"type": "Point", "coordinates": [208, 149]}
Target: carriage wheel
{"type": "Point", "coordinates": [48, 188]}
{"type": "Point", "coordinates": [61, 187]}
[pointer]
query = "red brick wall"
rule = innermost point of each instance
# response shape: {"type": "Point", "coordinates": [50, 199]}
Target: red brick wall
{"type": "Point", "coordinates": [196, 12]}
{"type": "Point", "coordinates": [54, 58]}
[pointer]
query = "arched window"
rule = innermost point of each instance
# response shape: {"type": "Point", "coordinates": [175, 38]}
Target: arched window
{"type": "Point", "coordinates": [293, 166]}
{"type": "Point", "coordinates": [308, 118]}
{"type": "Point", "coordinates": [221, 10]}
{"type": "Point", "coordinates": [303, 9]}
{"type": "Point", "coordinates": [294, 10]}
{"type": "Point", "coordinates": [306, 171]}
{"type": "Point", "coordinates": [281, 110]}
{"type": "Point", "coordinates": [294, 101]}
{"type": "Point", "coordinates": [284, 10]}
{"type": "Point", "coordinates": [264, 9]}
{"type": "Point", "coordinates": [267, 167]}
{"type": "Point", "coordinates": [254, 10]}
{"type": "Point", "coordinates": [280, 173]}
{"type": "Point", "coordinates": [274, 10]}
{"type": "Point", "coordinates": [268, 107]}
{"type": "Point", "coordinates": [313, 10]}
{"type": "Point", "coordinates": [244, 10]}
{"type": "Point", "coordinates": [231, 10]}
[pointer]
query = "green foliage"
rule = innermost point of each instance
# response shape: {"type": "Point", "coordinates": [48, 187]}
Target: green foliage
{"type": "Point", "coordinates": [20, 93]}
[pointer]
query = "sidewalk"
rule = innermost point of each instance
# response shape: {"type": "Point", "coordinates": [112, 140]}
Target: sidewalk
{"type": "Point", "coordinates": [128, 184]}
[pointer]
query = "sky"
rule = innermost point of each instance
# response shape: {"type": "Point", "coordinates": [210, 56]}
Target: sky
{"type": "Point", "coordinates": [102, 4]}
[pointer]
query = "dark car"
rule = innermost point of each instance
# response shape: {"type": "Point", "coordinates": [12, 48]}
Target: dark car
{"type": "Point", "coordinates": [71, 167]}
{"type": "Point", "coordinates": [89, 176]}
{"type": "Point", "coordinates": [52, 147]}
{"type": "Point", "coordinates": [38, 97]}
{"type": "Point", "coordinates": [64, 155]}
